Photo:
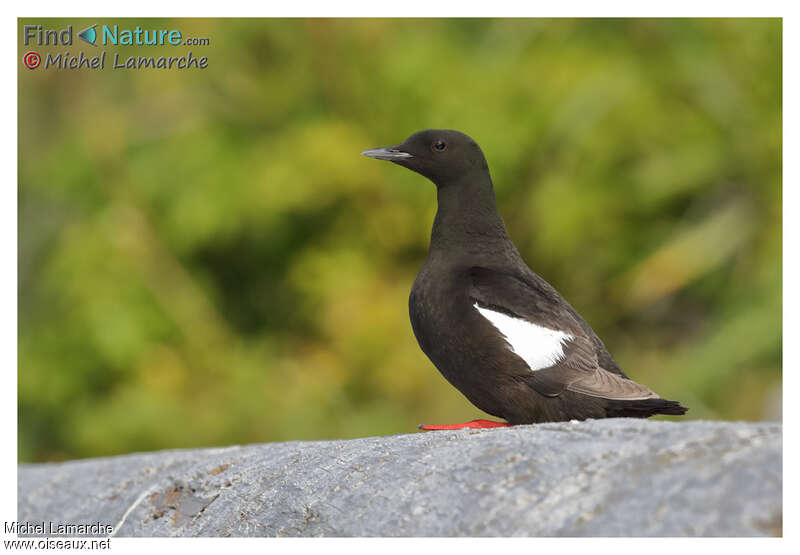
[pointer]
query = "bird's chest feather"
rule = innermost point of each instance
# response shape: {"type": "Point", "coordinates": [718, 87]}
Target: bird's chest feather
{"type": "Point", "coordinates": [434, 304]}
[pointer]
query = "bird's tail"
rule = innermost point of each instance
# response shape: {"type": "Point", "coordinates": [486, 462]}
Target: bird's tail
{"type": "Point", "coordinates": [644, 408]}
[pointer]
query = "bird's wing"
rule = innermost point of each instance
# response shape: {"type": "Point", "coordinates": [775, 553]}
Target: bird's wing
{"type": "Point", "coordinates": [540, 330]}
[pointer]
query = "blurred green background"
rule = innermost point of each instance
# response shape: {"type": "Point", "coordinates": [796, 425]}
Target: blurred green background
{"type": "Point", "coordinates": [205, 259]}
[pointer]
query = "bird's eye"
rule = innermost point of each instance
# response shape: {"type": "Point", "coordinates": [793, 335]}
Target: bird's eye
{"type": "Point", "coordinates": [439, 145]}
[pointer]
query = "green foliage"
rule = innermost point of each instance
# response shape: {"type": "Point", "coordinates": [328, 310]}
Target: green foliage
{"type": "Point", "coordinates": [205, 259]}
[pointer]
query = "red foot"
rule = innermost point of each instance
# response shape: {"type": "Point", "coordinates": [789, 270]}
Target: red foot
{"type": "Point", "coordinates": [471, 424]}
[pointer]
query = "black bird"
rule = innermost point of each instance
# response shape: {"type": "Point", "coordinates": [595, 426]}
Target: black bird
{"type": "Point", "coordinates": [496, 331]}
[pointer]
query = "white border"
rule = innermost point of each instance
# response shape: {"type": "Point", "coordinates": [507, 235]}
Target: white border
{"type": "Point", "coordinates": [407, 8]}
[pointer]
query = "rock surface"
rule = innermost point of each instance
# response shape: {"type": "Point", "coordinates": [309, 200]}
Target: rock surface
{"type": "Point", "coordinates": [618, 477]}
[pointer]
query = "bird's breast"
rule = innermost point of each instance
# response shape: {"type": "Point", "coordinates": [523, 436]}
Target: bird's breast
{"type": "Point", "coordinates": [442, 318]}
{"type": "Point", "coordinates": [431, 308]}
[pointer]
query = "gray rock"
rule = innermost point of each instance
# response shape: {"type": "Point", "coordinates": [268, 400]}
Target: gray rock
{"type": "Point", "coordinates": [618, 477]}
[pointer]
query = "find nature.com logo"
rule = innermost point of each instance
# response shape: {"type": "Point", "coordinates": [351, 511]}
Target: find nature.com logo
{"type": "Point", "coordinates": [110, 35]}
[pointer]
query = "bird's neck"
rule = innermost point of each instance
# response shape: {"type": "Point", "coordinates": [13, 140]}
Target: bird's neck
{"type": "Point", "coordinates": [467, 218]}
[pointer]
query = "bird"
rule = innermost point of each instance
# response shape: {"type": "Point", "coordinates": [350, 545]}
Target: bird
{"type": "Point", "coordinates": [497, 331]}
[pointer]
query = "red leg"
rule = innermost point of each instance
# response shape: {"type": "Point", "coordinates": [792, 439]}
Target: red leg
{"type": "Point", "coordinates": [476, 424]}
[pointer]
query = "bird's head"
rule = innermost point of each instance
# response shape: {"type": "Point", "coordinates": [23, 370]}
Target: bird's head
{"type": "Point", "coordinates": [442, 155]}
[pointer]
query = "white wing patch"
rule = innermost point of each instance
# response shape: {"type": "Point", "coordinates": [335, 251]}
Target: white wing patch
{"type": "Point", "coordinates": [538, 346]}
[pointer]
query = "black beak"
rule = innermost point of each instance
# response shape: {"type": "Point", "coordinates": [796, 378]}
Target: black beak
{"type": "Point", "coordinates": [390, 153]}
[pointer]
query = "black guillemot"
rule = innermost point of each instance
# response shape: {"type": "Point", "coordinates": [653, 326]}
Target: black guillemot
{"type": "Point", "coordinates": [497, 331]}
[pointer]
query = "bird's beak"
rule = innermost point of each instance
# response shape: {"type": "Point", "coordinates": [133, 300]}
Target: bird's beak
{"type": "Point", "coordinates": [391, 153]}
